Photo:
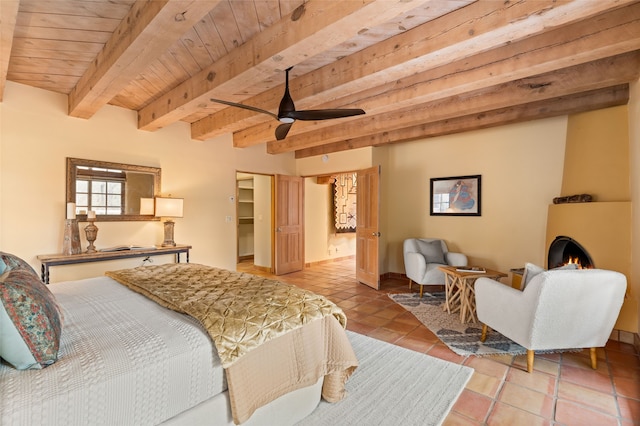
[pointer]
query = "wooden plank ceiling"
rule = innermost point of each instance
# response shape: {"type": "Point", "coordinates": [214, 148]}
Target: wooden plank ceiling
{"type": "Point", "coordinates": [418, 68]}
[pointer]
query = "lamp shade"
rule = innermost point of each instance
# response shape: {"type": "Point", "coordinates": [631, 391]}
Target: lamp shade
{"type": "Point", "coordinates": [169, 207]}
{"type": "Point", "coordinates": [146, 206]}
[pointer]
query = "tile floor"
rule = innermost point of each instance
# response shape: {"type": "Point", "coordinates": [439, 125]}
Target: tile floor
{"type": "Point", "coordinates": [562, 390]}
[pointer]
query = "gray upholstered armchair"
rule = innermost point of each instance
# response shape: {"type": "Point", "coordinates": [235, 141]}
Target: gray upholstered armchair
{"type": "Point", "coordinates": [422, 256]}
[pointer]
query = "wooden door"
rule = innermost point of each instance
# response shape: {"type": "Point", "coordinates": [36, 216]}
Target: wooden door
{"type": "Point", "coordinates": [289, 224]}
{"type": "Point", "coordinates": [368, 227]}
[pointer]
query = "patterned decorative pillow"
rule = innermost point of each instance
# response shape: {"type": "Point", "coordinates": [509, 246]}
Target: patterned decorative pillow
{"type": "Point", "coordinates": [432, 251]}
{"type": "Point", "coordinates": [12, 261]}
{"type": "Point", "coordinates": [30, 321]}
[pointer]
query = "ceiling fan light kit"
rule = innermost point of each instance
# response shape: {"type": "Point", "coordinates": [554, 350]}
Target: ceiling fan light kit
{"type": "Point", "coordinates": [287, 113]}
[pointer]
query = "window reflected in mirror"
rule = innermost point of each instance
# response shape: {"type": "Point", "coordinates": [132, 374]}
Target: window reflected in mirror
{"type": "Point", "coordinates": [112, 190]}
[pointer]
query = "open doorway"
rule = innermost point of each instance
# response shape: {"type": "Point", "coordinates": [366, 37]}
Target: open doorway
{"type": "Point", "coordinates": [254, 212]}
{"type": "Point", "coordinates": [336, 206]}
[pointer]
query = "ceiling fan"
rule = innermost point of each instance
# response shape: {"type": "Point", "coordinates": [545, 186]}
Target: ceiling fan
{"type": "Point", "coordinates": [287, 113]}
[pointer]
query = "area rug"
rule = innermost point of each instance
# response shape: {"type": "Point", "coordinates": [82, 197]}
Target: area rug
{"type": "Point", "coordinates": [463, 339]}
{"type": "Point", "coordinates": [393, 386]}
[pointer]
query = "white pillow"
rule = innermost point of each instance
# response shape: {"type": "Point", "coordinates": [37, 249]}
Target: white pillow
{"type": "Point", "coordinates": [530, 271]}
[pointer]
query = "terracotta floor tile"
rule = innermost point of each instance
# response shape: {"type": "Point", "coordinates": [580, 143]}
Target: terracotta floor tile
{"type": "Point", "coordinates": [573, 414]}
{"type": "Point", "coordinates": [500, 392]}
{"type": "Point", "coordinates": [424, 333]}
{"type": "Point", "coordinates": [536, 380]}
{"type": "Point", "coordinates": [388, 313]}
{"type": "Point", "coordinates": [399, 327]}
{"type": "Point", "coordinates": [614, 345]}
{"type": "Point", "coordinates": [472, 405]}
{"type": "Point", "coordinates": [526, 399]}
{"type": "Point", "coordinates": [595, 379]}
{"type": "Point", "coordinates": [604, 402]}
{"type": "Point", "coordinates": [631, 360]}
{"type": "Point", "coordinates": [486, 365]}
{"type": "Point", "coordinates": [577, 360]}
{"type": "Point", "coordinates": [418, 345]}
{"type": "Point", "coordinates": [503, 359]}
{"type": "Point", "coordinates": [539, 364]}
{"type": "Point", "coordinates": [371, 320]}
{"type": "Point", "coordinates": [347, 304]}
{"type": "Point", "coordinates": [629, 409]}
{"type": "Point", "coordinates": [625, 371]}
{"type": "Point", "coordinates": [443, 352]}
{"type": "Point", "coordinates": [627, 387]}
{"type": "Point", "coordinates": [506, 415]}
{"type": "Point", "coordinates": [408, 318]}
{"type": "Point", "coordinates": [367, 309]}
{"type": "Point", "coordinates": [385, 335]}
{"type": "Point", "coordinates": [484, 385]}
{"type": "Point", "coordinates": [455, 419]}
{"type": "Point", "coordinates": [359, 328]}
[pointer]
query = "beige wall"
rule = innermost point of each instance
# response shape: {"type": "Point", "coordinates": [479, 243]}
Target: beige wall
{"type": "Point", "coordinates": [634, 160]}
{"type": "Point", "coordinates": [36, 135]}
{"type": "Point", "coordinates": [521, 167]}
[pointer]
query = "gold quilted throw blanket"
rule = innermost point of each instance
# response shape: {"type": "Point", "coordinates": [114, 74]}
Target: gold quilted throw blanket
{"type": "Point", "coordinates": [239, 311]}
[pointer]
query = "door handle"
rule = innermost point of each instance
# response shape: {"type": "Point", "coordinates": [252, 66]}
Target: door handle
{"type": "Point", "coordinates": [278, 229]}
{"type": "Point", "coordinates": [375, 234]}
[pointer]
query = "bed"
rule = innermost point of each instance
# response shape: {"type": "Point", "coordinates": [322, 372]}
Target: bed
{"type": "Point", "coordinates": [125, 359]}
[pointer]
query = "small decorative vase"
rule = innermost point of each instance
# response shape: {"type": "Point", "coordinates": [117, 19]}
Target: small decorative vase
{"type": "Point", "coordinates": [92, 233]}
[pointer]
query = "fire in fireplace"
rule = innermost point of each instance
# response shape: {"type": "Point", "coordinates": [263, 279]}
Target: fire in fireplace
{"type": "Point", "coordinates": [564, 250]}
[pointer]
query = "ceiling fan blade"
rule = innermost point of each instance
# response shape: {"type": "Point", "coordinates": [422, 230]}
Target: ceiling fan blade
{"type": "Point", "coordinates": [249, 107]}
{"type": "Point", "coordinates": [323, 114]}
{"type": "Point", "coordinates": [282, 130]}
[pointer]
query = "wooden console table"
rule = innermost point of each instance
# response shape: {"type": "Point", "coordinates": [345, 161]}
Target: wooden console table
{"type": "Point", "coordinates": [49, 260]}
{"type": "Point", "coordinates": [460, 292]}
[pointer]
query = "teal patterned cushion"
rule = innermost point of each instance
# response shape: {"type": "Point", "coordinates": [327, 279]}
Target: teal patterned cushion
{"type": "Point", "coordinates": [12, 261]}
{"type": "Point", "coordinates": [30, 321]}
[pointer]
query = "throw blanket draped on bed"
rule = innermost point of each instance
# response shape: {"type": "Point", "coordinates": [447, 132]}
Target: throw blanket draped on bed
{"type": "Point", "coordinates": [251, 319]}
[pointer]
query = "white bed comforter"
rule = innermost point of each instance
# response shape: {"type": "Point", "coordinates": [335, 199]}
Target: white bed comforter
{"type": "Point", "coordinates": [118, 349]}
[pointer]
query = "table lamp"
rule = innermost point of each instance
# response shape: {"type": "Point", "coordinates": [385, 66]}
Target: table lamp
{"type": "Point", "coordinates": [168, 207]}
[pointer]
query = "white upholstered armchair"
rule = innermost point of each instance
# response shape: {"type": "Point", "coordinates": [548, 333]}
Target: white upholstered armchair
{"type": "Point", "coordinates": [422, 256]}
{"type": "Point", "coordinates": [558, 309]}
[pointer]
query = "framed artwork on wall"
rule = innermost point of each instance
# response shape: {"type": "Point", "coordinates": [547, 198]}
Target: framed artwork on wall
{"type": "Point", "coordinates": [456, 196]}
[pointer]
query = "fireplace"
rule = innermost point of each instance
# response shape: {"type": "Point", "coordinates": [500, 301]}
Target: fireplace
{"type": "Point", "coordinates": [564, 250]}
{"type": "Point", "coordinates": [596, 162]}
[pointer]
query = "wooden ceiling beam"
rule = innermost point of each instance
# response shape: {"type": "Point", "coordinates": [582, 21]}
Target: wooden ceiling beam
{"type": "Point", "coordinates": [584, 77]}
{"type": "Point", "coordinates": [564, 105]}
{"type": "Point", "coordinates": [589, 40]}
{"type": "Point", "coordinates": [310, 29]}
{"type": "Point", "coordinates": [472, 29]}
{"type": "Point", "coordinates": [8, 18]}
{"type": "Point", "coordinates": [148, 30]}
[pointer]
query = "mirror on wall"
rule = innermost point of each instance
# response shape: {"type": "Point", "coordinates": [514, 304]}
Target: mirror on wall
{"type": "Point", "coordinates": [112, 190]}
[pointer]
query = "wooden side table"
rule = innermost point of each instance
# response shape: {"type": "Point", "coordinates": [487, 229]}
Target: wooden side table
{"type": "Point", "coordinates": [460, 292]}
{"type": "Point", "coordinates": [49, 260]}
